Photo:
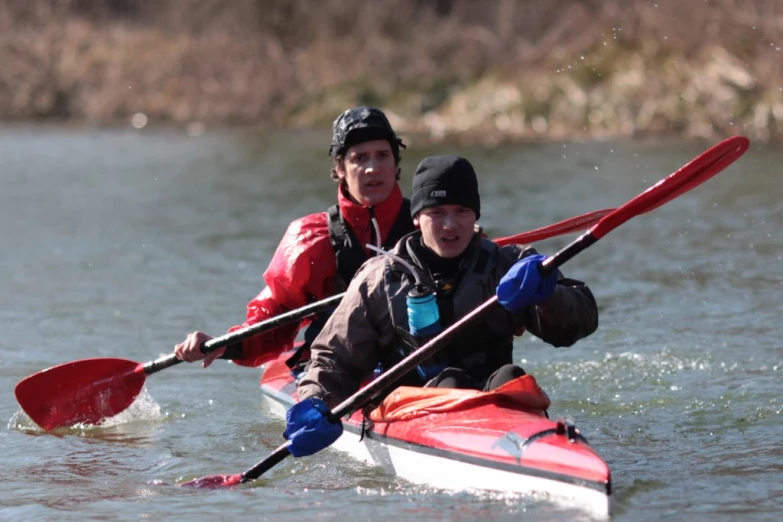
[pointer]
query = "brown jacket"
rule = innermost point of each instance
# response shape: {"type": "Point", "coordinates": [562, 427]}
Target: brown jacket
{"type": "Point", "coordinates": [364, 329]}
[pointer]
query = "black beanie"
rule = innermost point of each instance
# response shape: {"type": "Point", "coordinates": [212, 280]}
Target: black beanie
{"type": "Point", "coordinates": [445, 180]}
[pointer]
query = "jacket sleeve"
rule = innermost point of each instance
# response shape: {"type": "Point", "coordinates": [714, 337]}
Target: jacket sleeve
{"type": "Point", "coordinates": [348, 348]}
{"type": "Point", "coordinates": [570, 314]}
{"type": "Point", "coordinates": [301, 271]}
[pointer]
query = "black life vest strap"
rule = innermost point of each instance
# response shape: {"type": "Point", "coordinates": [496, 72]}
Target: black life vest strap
{"type": "Point", "coordinates": [402, 226]}
{"type": "Point", "coordinates": [301, 354]}
{"type": "Point", "coordinates": [348, 251]}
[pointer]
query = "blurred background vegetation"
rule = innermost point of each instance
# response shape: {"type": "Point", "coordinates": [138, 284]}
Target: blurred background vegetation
{"type": "Point", "coordinates": [471, 69]}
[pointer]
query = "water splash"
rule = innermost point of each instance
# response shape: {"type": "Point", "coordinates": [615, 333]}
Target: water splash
{"type": "Point", "coordinates": [144, 409]}
{"type": "Point", "coordinates": [19, 421]}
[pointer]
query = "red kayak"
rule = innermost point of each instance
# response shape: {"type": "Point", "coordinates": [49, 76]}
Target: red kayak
{"type": "Point", "coordinates": [469, 440]}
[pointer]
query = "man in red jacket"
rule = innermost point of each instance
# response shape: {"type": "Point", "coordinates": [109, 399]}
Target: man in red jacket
{"type": "Point", "coordinates": [320, 253]}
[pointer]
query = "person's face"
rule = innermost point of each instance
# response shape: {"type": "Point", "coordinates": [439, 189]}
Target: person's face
{"type": "Point", "coordinates": [369, 172]}
{"type": "Point", "coordinates": [446, 229]}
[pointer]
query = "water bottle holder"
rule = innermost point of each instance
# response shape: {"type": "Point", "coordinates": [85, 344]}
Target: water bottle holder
{"type": "Point", "coordinates": [427, 331]}
{"type": "Point", "coordinates": [431, 371]}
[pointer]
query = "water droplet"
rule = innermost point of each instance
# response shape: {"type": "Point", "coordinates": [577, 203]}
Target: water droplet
{"type": "Point", "coordinates": [139, 120]}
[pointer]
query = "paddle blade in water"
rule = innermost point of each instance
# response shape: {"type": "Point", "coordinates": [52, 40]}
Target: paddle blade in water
{"type": "Point", "coordinates": [85, 391]}
{"type": "Point", "coordinates": [213, 482]}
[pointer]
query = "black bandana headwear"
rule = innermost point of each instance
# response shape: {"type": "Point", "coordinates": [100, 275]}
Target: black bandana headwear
{"type": "Point", "coordinates": [362, 124]}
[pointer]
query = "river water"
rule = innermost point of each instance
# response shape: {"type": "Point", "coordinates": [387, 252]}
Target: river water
{"type": "Point", "coordinates": [117, 243]}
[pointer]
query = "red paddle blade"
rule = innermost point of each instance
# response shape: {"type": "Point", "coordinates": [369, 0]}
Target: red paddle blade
{"type": "Point", "coordinates": [566, 226]}
{"type": "Point", "coordinates": [707, 165]}
{"type": "Point", "coordinates": [213, 482]}
{"type": "Point", "coordinates": [85, 391]}
{"type": "Point", "coordinates": [688, 177]}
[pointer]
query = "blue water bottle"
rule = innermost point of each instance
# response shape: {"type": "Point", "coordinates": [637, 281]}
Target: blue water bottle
{"type": "Point", "coordinates": [423, 315]}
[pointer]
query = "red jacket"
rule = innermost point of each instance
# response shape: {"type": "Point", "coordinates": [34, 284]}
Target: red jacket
{"type": "Point", "coordinates": [303, 270]}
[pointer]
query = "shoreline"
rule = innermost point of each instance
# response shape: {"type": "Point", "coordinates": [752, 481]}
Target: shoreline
{"type": "Point", "coordinates": [466, 76]}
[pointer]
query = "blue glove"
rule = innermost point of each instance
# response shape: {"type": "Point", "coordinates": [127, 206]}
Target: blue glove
{"type": "Point", "coordinates": [308, 428]}
{"type": "Point", "coordinates": [523, 285]}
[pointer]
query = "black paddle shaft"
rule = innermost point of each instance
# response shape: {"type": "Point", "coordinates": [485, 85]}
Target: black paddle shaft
{"type": "Point", "coordinates": [240, 335]}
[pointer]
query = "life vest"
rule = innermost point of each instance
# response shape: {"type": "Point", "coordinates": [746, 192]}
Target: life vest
{"type": "Point", "coordinates": [348, 251]}
{"type": "Point", "coordinates": [481, 348]}
{"type": "Point", "coordinates": [349, 255]}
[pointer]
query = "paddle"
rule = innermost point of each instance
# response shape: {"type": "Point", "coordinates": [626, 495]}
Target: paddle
{"type": "Point", "coordinates": [89, 390]}
{"type": "Point", "coordinates": [566, 226]}
{"type": "Point", "coordinates": [587, 220]}
{"type": "Point", "coordinates": [696, 172]}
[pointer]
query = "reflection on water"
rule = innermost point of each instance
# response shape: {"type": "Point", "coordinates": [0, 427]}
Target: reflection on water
{"type": "Point", "coordinates": [119, 243]}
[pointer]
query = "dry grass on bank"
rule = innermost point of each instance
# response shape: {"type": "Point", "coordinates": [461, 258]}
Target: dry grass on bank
{"type": "Point", "coordinates": [527, 67]}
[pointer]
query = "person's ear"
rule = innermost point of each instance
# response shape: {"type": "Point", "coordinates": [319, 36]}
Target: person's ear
{"type": "Point", "coordinates": [339, 169]}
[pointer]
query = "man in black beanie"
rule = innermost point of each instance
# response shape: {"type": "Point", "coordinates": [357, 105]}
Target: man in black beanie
{"type": "Point", "coordinates": [443, 180]}
{"type": "Point", "coordinates": [446, 200]}
{"type": "Point", "coordinates": [381, 319]}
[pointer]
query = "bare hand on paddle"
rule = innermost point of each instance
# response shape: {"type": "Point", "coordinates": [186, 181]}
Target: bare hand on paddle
{"type": "Point", "coordinates": [189, 350]}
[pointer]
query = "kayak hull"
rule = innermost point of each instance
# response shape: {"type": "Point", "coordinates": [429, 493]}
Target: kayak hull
{"type": "Point", "coordinates": [485, 447]}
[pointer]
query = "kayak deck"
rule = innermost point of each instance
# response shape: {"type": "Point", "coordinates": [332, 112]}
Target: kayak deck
{"type": "Point", "coordinates": [478, 446]}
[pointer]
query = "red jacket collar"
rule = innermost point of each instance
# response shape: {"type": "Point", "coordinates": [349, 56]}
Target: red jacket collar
{"type": "Point", "coordinates": [358, 216]}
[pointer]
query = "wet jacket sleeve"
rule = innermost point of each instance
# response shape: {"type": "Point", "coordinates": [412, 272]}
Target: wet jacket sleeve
{"type": "Point", "coordinates": [569, 315]}
{"type": "Point", "coordinates": [302, 271]}
{"type": "Point", "coordinates": [348, 348]}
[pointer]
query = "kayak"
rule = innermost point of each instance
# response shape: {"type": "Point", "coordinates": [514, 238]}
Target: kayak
{"type": "Point", "coordinates": [468, 440]}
